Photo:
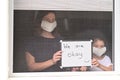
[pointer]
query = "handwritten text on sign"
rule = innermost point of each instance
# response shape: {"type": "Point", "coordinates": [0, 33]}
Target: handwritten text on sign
{"type": "Point", "coordinates": [76, 53]}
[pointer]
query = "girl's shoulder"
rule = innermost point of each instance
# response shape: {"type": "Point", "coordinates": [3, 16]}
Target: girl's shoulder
{"type": "Point", "coordinates": [106, 58]}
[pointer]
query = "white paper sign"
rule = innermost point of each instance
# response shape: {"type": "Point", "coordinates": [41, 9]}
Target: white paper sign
{"type": "Point", "coordinates": [76, 53]}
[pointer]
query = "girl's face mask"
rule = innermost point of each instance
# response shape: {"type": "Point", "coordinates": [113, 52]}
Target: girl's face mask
{"type": "Point", "coordinates": [99, 51]}
{"type": "Point", "coordinates": [47, 26]}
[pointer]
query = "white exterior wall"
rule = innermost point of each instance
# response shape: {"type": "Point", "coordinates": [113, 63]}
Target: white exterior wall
{"type": "Point", "coordinates": [81, 5]}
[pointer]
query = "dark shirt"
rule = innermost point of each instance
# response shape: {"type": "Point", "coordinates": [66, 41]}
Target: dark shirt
{"type": "Point", "coordinates": [43, 49]}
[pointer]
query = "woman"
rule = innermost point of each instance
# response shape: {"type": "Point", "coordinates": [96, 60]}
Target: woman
{"type": "Point", "coordinates": [43, 51]}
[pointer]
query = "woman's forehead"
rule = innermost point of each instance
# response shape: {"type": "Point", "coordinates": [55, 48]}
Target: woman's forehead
{"type": "Point", "coordinates": [50, 14]}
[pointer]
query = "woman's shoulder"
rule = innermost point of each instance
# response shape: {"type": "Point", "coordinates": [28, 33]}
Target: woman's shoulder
{"type": "Point", "coordinates": [60, 37]}
{"type": "Point", "coordinates": [31, 40]}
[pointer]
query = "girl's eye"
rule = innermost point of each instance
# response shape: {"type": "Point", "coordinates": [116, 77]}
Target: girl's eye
{"type": "Point", "coordinates": [102, 46]}
{"type": "Point", "coordinates": [97, 46]}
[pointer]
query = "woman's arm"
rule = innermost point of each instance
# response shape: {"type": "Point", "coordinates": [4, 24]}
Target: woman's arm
{"type": "Point", "coordinates": [38, 66]}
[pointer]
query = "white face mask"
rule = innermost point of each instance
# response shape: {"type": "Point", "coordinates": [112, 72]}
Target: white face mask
{"type": "Point", "coordinates": [47, 26]}
{"type": "Point", "coordinates": [99, 51]}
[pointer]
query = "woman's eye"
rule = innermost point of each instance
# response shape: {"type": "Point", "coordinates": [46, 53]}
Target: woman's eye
{"type": "Point", "coordinates": [95, 46]}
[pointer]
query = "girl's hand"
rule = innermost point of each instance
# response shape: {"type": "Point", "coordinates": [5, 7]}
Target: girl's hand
{"type": "Point", "coordinates": [95, 62]}
{"type": "Point", "coordinates": [83, 68]}
{"type": "Point", "coordinates": [56, 57]}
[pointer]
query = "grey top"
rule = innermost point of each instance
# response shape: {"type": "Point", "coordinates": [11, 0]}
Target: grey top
{"type": "Point", "coordinates": [43, 49]}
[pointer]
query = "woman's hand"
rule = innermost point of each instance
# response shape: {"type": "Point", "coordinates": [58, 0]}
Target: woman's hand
{"type": "Point", "coordinates": [56, 57]}
{"type": "Point", "coordinates": [75, 69]}
{"type": "Point", "coordinates": [95, 62]}
{"type": "Point", "coordinates": [83, 68]}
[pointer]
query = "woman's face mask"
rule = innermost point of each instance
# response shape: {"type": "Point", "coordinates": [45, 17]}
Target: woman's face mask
{"type": "Point", "coordinates": [99, 51]}
{"type": "Point", "coordinates": [47, 26]}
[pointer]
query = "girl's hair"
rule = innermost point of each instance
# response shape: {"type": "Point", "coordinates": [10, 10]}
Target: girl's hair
{"type": "Point", "coordinates": [101, 39]}
{"type": "Point", "coordinates": [38, 30]}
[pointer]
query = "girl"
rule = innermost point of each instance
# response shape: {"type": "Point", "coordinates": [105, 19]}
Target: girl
{"type": "Point", "coordinates": [100, 61]}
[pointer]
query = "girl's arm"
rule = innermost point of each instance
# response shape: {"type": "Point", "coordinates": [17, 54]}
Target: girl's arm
{"type": "Point", "coordinates": [105, 68]}
{"type": "Point", "coordinates": [38, 66]}
{"type": "Point", "coordinates": [109, 68]}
